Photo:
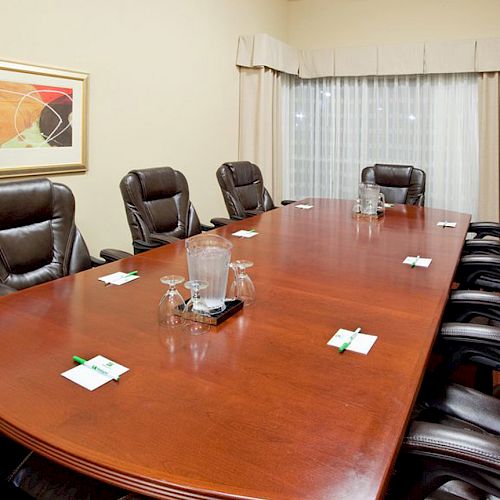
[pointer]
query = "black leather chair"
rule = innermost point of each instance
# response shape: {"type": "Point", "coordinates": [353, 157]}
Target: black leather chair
{"type": "Point", "coordinates": [158, 208]}
{"type": "Point", "coordinates": [470, 335]}
{"type": "Point", "coordinates": [483, 229]}
{"type": "Point", "coordinates": [479, 271]}
{"type": "Point", "coordinates": [243, 190]}
{"type": "Point", "coordinates": [39, 241]}
{"type": "Point", "coordinates": [399, 183]}
{"type": "Point", "coordinates": [452, 448]}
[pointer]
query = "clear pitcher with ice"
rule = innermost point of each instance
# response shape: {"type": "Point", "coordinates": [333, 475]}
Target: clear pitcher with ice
{"type": "Point", "coordinates": [208, 260]}
{"type": "Point", "coordinates": [371, 199]}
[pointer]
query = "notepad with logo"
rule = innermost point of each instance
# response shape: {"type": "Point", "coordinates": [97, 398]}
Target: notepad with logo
{"type": "Point", "coordinates": [91, 379]}
{"type": "Point", "coordinates": [118, 278]}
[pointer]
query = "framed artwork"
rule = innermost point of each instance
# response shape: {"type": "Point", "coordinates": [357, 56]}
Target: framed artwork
{"type": "Point", "coordinates": [42, 120]}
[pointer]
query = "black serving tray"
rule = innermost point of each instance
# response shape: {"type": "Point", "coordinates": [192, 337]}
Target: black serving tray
{"type": "Point", "coordinates": [232, 307]}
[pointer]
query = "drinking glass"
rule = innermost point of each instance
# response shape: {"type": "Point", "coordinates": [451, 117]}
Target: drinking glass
{"type": "Point", "coordinates": [242, 287]}
{"type": "Point", "coordinates": [171, 303]}
{"type": "Point", "coordinates": [356, 207]}
{"type": "Point", "coordinates": [381, 204]}
{"type": "Point", "coordinates": [195, 306]}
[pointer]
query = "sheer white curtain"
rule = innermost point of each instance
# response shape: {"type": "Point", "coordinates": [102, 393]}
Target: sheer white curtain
{"type": "Point", "coordinates": [334, 127]}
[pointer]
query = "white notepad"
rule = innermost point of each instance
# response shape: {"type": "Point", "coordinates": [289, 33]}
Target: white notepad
{"type": "Point", "coordinates": [417, 261]}
{"type": "Point", "coordinates": [91, 379]}
{"type": "Point", "coordinates": [243, 233]}
{"type": "Point", "coordinates": [445, 223]}
{"type": "Point", "coordinates": [304, 207]}
{"type": "Point", "coordinates": [118, 278]}
{"type": "Point", "coordinates": [362, 343]}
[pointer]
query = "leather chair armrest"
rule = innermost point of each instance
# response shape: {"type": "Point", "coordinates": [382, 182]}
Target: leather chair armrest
{"type": "Point", "coordinates": [287, 202]}
{"type": "Point", "coordinates": [482, 229]}
{"type": "Point", "coordinates": [465, 404]}
{"type": "Point", "coordinates": [112, 255]}
{"type": "Point", "coordinates": [237, 217]}
{"type": "Point", "coordinates": [221, 221]}
{"type": "Point", "coordinates": [479, 246]}
{"type": "Point", "coordinates": [6, 290]}
{"type": "Point", "coordinates": [479, 271]}
{"type": "Point", "coordinates": [460, 343]}
{"type": "Point", "coordinates": [480, 452]}
{"type": "Point", "coordinates": [206, 227]}
{"type": "Point", "coordinates": [472, 333]}
{"type": "Point", "coordinates": [465, 305]}
{"type": "Point", "coordinates": [432, 454]}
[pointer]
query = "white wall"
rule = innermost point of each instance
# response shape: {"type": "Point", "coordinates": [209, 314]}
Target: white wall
{"type": "Point", "coordinates": [336, 23]}
{"type": "Point", "coordinates": [163, 90]}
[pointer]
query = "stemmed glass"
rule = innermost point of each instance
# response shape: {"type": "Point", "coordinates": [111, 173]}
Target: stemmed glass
{"type": "Point", "coordinates": [196, 306]}
{"type": "Point", "coordinates": [171, 303]}
{"type": "Point", "coordinates": [242, 287]}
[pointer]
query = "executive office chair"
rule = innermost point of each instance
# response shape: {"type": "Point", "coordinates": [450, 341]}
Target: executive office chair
{"type": "Point", "coordinates": [483, 229]}
{"type": "Point", "coordinates": [39, 241]}
{"type": "Point", "coordinates": [243, 190]}
{"type": "Point", "coordinates": [158, 208]}
{"type": "Point", "coordinates": [399, 183]}
{"type": "Point", "coordinates": [479, 271]}
{"type": "Point", "coordinates": [452, 446]}
{"type": "Point", "coordinates": [470, 334]}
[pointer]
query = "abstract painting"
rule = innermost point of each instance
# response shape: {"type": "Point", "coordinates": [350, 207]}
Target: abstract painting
{"type": "Point", "coordinates": [42, 120]}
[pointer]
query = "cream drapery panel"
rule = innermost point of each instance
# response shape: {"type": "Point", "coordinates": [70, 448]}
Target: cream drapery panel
{"type": "Point", "coordinates": [260, 124]}
{"type": "Point", "coordinates": [489, 147]}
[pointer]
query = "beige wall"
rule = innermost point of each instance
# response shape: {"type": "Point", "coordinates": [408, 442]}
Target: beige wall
{"type": "Point", "coordinates": [163, 89]}
{"type": "Point", "coordinates": [336, 23]}
{"type": "Point", "coordinates": [164, 86]}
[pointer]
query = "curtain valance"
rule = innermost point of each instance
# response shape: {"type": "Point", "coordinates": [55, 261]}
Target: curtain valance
{"type": "Point", "coordinates": [458, 56]}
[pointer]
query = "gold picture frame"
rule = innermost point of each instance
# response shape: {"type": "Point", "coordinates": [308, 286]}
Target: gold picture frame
{"type": "Point", "coordinates": [42, 120]}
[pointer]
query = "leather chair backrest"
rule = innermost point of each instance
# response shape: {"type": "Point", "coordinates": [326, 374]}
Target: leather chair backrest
{"type": "Point", "coordinates": [243, 189]}
{"type": "Point", "coordinates": [39, 241]}
{"type": "Point", "coordinates": [399, 183]}
{"type": "Point", "coordinates": [157, 202]}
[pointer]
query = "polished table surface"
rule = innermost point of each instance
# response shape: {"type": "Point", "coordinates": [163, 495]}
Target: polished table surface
{"type": "Point", "coordinates": [260, 406]}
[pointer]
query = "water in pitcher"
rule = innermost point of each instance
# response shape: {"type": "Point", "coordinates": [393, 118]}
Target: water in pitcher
{"type": "Point", "coordinates": [208, 260]}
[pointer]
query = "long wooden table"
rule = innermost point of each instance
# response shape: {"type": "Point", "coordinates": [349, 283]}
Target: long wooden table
{"type": "Point", "coordinates": [260, 406]}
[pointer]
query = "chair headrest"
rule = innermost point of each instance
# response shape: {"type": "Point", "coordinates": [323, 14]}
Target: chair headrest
{"type": "Point", "coordinates": [393, 175]}
{"type": "Point", "coordinates": [244, 173]}
{"type": "Point", "coordinates": [37, 204]}
{"type": "Point", "coordinates": [157, 183]}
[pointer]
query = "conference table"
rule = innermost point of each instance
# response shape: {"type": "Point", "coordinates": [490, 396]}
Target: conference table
{"type": "Point", "coordinates": [261, 406]}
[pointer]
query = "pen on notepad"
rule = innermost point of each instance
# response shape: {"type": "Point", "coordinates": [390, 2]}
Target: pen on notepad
{"type": "Point", "coordinates": [131, 273]}
{"type": "Point", "coordinates": [347, 343]}
{"type": "Point", "coordinates": [88, 364]}
{"type": "Point", "coordinates": [415, 261]}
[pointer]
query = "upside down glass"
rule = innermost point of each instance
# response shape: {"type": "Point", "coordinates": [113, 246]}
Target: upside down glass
{"type": "Point", "coordinates": [242, 287]}
{"type": "Point", "coordinates": [195, 306]}
{"type": "Point", "coordinates": [171, 303]}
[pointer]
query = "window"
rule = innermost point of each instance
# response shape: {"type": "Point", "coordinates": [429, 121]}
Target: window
{"type": "Point", "coordinates": [334, 127]}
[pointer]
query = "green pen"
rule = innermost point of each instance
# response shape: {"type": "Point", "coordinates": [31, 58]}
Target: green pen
{"type": "Point", "coordinates": [347, 343]}
{"type": "Point", "coordinates": [415, 261]}
{"type": "Point", "coordinates": [88, 364]}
